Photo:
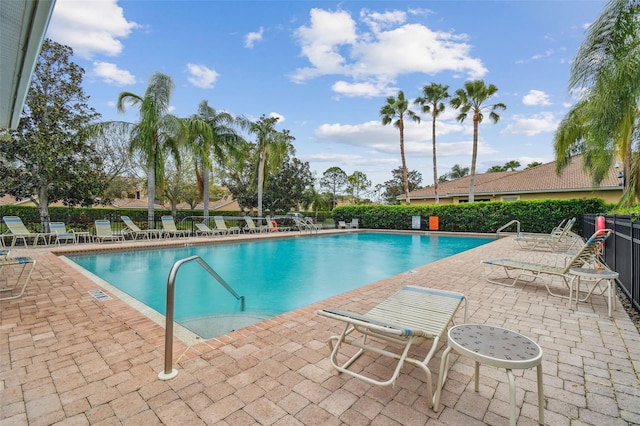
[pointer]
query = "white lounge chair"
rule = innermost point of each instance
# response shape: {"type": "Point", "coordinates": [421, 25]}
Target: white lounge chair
{"type": "Point", "coordinates": [18, 231]}
{"type": "Point", "coordinates": [221, 224]}
{"type": "Point", "coordinates": [342, 224]}
{"type": "Point", "coordinates": [169, 228]}
{"type": "Point", "coordinates": [204, 231]}
{"type": "Point", "coordinates": [519, 270]}
{"type": "Point", "coordinates": [251, 227]}
{"type": "Point", "coordinates": [134, 230]}
{"type": "Point", "coordinates": [105, 233]}
{"type": "Point", "coordinates": [60, 233]}
{"type": "Point", "coordinates": [412, 314]}
{"type": "Point", "coordinates": [561, 239]}
{"type": "Point", "coordinates": [19, 261]}
{"type": "Point", "coordinates": [354, 224]}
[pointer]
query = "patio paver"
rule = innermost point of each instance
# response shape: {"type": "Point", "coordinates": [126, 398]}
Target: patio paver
{"type": "Point", "coordinates": [68, 358]}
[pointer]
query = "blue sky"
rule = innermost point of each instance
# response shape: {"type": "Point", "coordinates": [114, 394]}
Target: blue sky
{"type": "Point", "coordinates": [325, 68]}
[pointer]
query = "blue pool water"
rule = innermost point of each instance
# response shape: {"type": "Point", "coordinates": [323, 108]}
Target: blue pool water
{"type": "Point", "coordinates": [275, 275]}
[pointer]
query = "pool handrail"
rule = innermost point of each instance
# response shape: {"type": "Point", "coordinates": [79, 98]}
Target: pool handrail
{"type": "Point", "coordinates": [169, 372]}
{"type": "Point", "coordinates": [502, 228]}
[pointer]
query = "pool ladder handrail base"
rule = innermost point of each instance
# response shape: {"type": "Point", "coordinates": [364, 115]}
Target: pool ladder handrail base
{"type": "Point", "coordinates": [170, 372]}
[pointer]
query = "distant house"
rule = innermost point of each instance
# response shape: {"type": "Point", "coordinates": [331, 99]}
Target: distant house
{"type": "Point", "coordinates": [540, 182]}
{"type": "Point", "coordinates": [226, 203]}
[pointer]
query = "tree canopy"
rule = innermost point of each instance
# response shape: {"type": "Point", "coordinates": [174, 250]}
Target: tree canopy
{"type": "Point", "coordinates": [334, 180]}
{"type": "Point", "coordinates": [471, 99]}
{"type": "Point", "coordinates": [48, 157]}
{"type": "Point", "coordinates": [395, 110]}
{"type": "Point", "coordinates": [395, 186]}
{"type": "Point", "coordinates": [432, 103]}
{"type": "Point", "coordinates": [605, 123]}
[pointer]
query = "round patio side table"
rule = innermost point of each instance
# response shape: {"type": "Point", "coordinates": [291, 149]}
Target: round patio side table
{"type": "Point", "coordinates": [498, 347]}
{"type": "Point", "coordinates": [85, 236]}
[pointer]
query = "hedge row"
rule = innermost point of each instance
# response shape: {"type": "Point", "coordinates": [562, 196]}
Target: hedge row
{"type": "Point", "coordinates": [486, 217]}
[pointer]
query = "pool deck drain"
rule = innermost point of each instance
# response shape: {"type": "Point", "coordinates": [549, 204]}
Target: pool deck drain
{"type": "Point", "coordinates": [99, 295]}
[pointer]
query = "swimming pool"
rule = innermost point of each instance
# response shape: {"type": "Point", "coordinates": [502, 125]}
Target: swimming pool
{"type": "Point", "coordinates": [274, 275]}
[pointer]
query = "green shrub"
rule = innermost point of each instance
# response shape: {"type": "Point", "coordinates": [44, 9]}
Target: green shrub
{"type": "Point", "coordinates": [485, 217]}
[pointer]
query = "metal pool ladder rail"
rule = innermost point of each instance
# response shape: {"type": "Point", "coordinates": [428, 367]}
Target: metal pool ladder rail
{"type": "Point", "coordinates": [170, 372]}
{"type": "Point", "coordinates": [517, 222]}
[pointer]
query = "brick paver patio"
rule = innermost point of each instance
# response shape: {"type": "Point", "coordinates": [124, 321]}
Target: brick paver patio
{"type": "Point", "coordinates": [67, 358]}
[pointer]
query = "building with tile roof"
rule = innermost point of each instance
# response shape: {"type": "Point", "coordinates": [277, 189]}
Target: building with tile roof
{"type": "Point", "coordinates": [540, 182]}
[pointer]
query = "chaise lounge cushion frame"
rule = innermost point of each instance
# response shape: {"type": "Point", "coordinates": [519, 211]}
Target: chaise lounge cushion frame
{"type": "Point", "coordinates": [169, 228]}
{"type": "Point", "coordinates": [412, 314]}
{"type": "Point", "coordinates": [519, 270]}
{"type": "Point", "coordinates": [135, 231]}
{"type": "Point", "coordinates": [560, 240]}
{"type": "Point", "coordinates": [18, 231]}
{"type": "Point", "coordinates": [105, 233]}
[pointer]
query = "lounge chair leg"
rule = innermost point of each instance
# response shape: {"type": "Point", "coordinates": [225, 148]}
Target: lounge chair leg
{"type": "Point", "coordinates": [442, 377]}
{"type": "Point", "coordinates": [24, 262]}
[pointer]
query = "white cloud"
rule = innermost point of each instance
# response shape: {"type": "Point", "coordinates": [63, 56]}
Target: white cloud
{"type": "Point", "coordinates": [111, 74]}
{"type": "Point", "coordinates": [280, 117]}
{"type": "Point", "coordinates": [386, 48]}
{"type": "Point", "coordinates": [364, 89]}
{"type": "Point", "coordinates": [90, 27]}
{"type": "Point", "coordinates": [547, 53]}
{"type": "Point", "coordinates": [253, 37]}
{"type": "Point", "coordinates": [321, 42]}
{"type": "Point", "coordinates": [536, 97]}
{"type": "Point", "coordinates": [533, 125]}
{"type": "Point", "coordinates": [201, 76]}
{"type": "Point", "coordinates": [377, 21]}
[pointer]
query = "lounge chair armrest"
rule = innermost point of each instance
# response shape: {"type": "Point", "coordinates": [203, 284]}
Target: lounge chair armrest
{"type": "Point", "coordinates": [364, 321]}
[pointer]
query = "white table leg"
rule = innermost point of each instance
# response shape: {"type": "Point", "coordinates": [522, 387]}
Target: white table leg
{"type": "Point", "coordinates": [540, 395]}
{"type": "Point", "coordinates": [477, 377]}
{"type": "Point", "coordinates": [512, 398]}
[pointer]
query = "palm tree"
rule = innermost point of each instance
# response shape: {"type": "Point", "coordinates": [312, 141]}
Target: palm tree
{"type": "Point", "coordinates": [457, 172]}
{"type": "Point", "coordinates": [213, 133]}
{"type": "Point", "coordinates": [605, 123]}
{"type": "Point", "coordinates": [156, 134]}
{"type": "Point", "coordinates": [431, 102]}
{"type": "Point", "coordinates": [470, 99]}
{"type": "Point", "coordinates": [316, 200]}
{"type": "Point", "coordinates": [271, 150]}
{"type": "Point", "coordinates": [394, 112]}
{"type": "Point", "coordinates": [511, 165]}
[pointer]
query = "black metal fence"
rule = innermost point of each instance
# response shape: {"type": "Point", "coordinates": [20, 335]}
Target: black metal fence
{"type": "Point", "coordinates": [621, 252]}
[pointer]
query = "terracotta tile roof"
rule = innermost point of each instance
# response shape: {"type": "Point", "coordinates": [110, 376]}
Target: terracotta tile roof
{"type": "Point", "coordinates": [538, 179]}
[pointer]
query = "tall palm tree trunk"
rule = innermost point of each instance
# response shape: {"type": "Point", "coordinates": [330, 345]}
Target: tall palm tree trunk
{"type": "Point", "coordinates": [405, 177]}
{"type": "Point", "coordinates": [205, 194]}
{"type": "Point", "coordinates": [474, 157]}
{"type": "Point", "coordinates": [151, 194]}
{"type": "Point", "coordinates": [435, 167]}
{"type": "Point", "coordinates": [261, 166]}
